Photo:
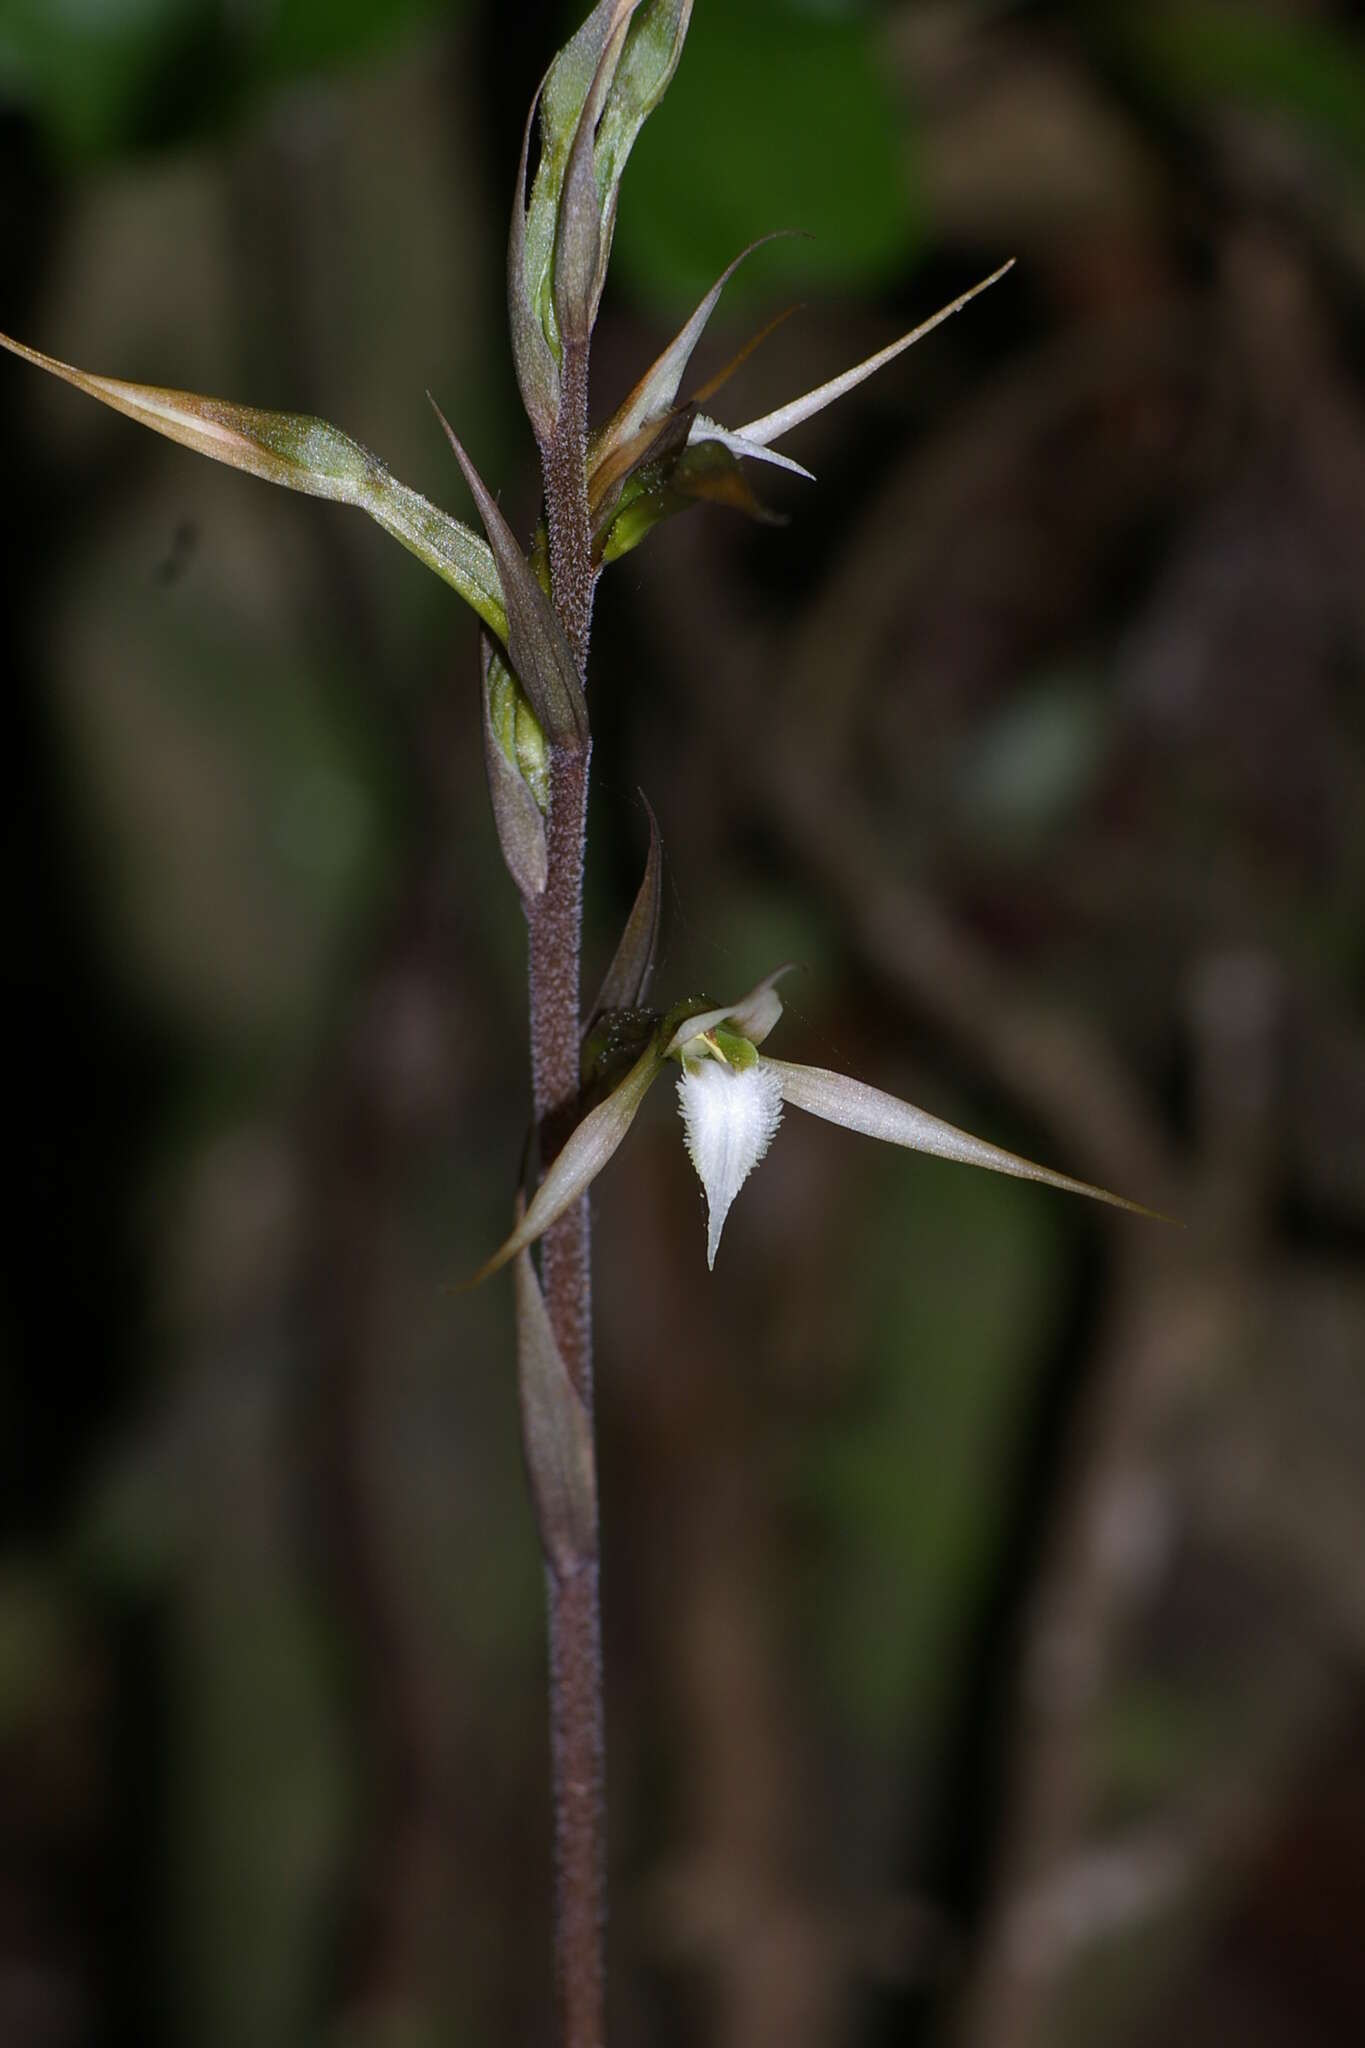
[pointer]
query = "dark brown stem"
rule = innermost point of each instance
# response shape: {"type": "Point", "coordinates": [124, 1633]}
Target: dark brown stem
{"type": "Point", "coordinates": [577, 1763]}
{"type": "Point", "coordinates": [555, 935]}
{"type": "Point", "coordinates": [566, 503]}
{"type": "Point", "coordinates": [556, 920]}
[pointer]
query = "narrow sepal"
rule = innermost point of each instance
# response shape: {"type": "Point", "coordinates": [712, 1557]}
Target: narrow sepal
{"type": "Point", "coordinates": [625, 986]}
{"type": "Point", "coordinates": [773, 425]}
{"type": "Point", "coordinates": [721, 377]}
{"type": "Point", "coordinates": [659, 444]}
{"type": "Point", "coordinates": [302, 454]}
{"type": "Point", "coordinates": [539, 652]}
{"type": "Point", "coordinates": [656, 391]}
{"type": "Point", "coordinates": [841, 1100]}
{"type": "Point", "coordinates": [556, 1434]}
{"type": "Point", "coordinates": [573, 1171]}
{"type": "Point", "coordinates": [516, 813]}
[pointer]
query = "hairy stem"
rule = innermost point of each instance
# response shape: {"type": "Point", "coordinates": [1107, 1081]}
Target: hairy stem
{"type": "Point", "coordinates": [555, 942]}
{"type": "Point", "coordinates": [566, 502]}
{"type": "Point", "coordinates": [556, 921]}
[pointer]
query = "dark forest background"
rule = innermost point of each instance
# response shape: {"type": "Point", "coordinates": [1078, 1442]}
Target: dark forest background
{"type": "Point", "coordinates": [985, 1574]}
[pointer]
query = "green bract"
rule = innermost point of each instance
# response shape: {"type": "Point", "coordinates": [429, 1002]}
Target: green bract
{"type": "Point", "coordinates": [303, 454]}
{"type": "Point", "coordinates": [594, 100]}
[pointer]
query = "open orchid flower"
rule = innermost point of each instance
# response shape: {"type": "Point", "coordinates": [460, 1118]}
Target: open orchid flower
{"type": "Point", "coordinates": [731, 1097]}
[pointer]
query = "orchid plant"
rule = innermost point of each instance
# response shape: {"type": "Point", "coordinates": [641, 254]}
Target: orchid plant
{"type": "Point", "coordinates": [604, 492]}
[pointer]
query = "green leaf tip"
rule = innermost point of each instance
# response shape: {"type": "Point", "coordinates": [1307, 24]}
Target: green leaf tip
{"type": "Point", "coordinates": [301, 454]}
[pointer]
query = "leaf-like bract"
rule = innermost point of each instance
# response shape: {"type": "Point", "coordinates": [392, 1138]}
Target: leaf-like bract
{"type": "Point", "coordinates": [556, 1432]}
{"type": "Point", "coordinates": [592, 104]}
{"type": "Point", "coordinates": [573, 1170]}
{"type": "Point", "coordinates": [539, 652]}
{"type": "Point", "coordinates": [302, 454]}
{"type": "Point", "coordinates": [516, 812]}
{"type": "Point", "coordinates": [625, 986]}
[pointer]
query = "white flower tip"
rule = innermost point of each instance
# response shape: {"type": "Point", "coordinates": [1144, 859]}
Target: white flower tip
{"type": "Point", "coordinates": [729, 1118]}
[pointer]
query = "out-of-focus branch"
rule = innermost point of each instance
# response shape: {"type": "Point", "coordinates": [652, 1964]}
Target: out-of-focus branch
{"type": "Point", "coordinates": [367, 1122]}
{"type": "Point", "coordinates": [1171, 1314]}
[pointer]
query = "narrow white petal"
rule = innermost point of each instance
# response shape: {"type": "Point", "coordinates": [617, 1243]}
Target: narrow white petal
{"type": "Point", "coordinates": [841, 1100]}
{"type": "Point", "coordinates": [703, 429]}
{"type": "Point", "coordinates": [728, 1119]}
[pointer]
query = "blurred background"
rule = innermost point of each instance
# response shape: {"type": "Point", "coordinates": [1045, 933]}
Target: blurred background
{"type": "Point", "coordinates": [985, 1574]}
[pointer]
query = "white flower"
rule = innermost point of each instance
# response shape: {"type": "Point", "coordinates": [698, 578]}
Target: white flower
{"type": "Point", "coordinates": [731, 1096]}
{"type": "Point", "coordinates": [729, 1119]}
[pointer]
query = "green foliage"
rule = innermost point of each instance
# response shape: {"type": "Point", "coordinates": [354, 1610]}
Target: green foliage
{"type": "Point", "coordinates": [104, 76]}
{"type": "Point", "coordinates": [718, 164]}
{"type": "Point", "coordinates": [1277, 63]}
{"type": "Point", "coordinates": [298, 36]}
